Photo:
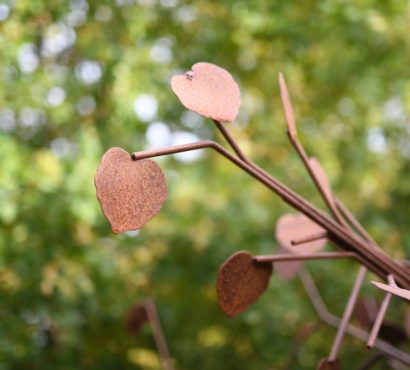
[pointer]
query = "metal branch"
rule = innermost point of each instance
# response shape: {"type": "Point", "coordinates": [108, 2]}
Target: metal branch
{"type": "Point", "coordinates": [347, 313]}
{"type": "Point", "coordinates": [304, 257]}
{"type": "Point", "coordinates": [292, 134]}
{"type": "Point", "coordinates": [380, 316]}
{"type": "Point", "coordinates": [376, 260]}
{"type": "Point", "coordinates": [309, 238]}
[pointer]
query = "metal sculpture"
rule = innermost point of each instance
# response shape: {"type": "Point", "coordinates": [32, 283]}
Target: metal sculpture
{"type": "Point", "coordinates": [132, 190]}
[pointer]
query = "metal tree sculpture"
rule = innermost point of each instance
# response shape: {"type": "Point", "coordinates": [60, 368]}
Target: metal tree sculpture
{"type": "Point", "coordinates": [132, 189]}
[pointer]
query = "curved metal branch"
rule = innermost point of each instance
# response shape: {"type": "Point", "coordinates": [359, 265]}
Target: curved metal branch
{"type": "Point", "coordinates": [376, 260]}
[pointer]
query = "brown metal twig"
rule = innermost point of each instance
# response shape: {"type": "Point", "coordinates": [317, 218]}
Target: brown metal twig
{"type": "Point", "coordinates": [325, 189]}
{"type": "Point", "coordinates": [303, 256]}
{"type": "Point", "coordinates": [309, 238]}
{"type": "Point", "coordinates": [376, 260]}
{"type": "Point", "coordinates": [159, 336]}
{"type": "Point", "coordinates": [347, 313]}
{"type": "Point", "coordinates": [380, 316]}
{"type": "Point", "coordinates": [292, 134]}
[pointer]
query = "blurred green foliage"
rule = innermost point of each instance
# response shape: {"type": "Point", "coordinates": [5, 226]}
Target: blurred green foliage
{"type": "Point", "coordinates": [78, 77]}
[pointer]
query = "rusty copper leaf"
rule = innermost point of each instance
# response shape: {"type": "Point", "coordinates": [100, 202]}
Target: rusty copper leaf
{"type": "Point", "coordinates": [241, 282]}
{"type": "Point", "coordinates": [208, 90]}
{"type": "Point", "coordinates": [403, 293]}
{"type": "Point", "coordinates": [292, 226]}
{"type": "Point", "coordinates": [288, 269]}
{"type": "Point", "coordinates": [136, 318]}
{"type": "Point", "coordinates": [326, 365]}
{"type": "Point", "coordinates": [130, 192]}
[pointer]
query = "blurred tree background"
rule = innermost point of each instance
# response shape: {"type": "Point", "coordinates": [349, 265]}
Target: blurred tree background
{"type": "Point", "coordinates": [81, 76]}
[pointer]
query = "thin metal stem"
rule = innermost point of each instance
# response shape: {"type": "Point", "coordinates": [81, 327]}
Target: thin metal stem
{"type": "Point", "coordinates": [235, 147]}
{"type": "Point", "coordinates": [347, 313]}
{"type": "Point", "coordinates": [159, 336]}
{"type": "Point", "coordinates": [292, 134]}
{"type": "Point", "coordinates": [335, 205]}
{"type": "Point", "coordinates": [376, 260]}
{"type": "Point", "coordinates": [310, 238]}
{"type": "Point", "coordinates": [380, 316]}
{"type": "Point", "coordinates": [303, 256]}
{"type": "Point", "coordinates": [326, 193]}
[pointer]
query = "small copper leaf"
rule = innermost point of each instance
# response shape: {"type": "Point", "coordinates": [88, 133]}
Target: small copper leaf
{"type": "Point", "coordinates": [130, 192]}
{"type": "Point", "coordinates": [240, 282]}
{"type": "Point", "coordinates": [208, 90]}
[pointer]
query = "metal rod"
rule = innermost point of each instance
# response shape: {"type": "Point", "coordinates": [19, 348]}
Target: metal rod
{"type": "Point", "coordinates": [292, 132]}
{"type": "Point", "coordinates": [376, 260]}
{"type": "Point", "coordinates": [347, 313]}
{"type": "Point", "coordinates": [159, 336]}
{"type": "Point", "coordinates": [380, 316]}
{"type": "Point", "coordinates": [332, 320]}
{"type": "Point", "coordinates": [303, 256]}
{"type": "Point", "coordinates": [308, 239]}
{"type": "Point", "coordinates": [326, 193]}
{"type": "Point", "coordinates": [235, 147]}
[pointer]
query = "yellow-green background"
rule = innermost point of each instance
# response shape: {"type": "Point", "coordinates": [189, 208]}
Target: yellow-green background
{"type": "Point", "coordinates": [66, 281]}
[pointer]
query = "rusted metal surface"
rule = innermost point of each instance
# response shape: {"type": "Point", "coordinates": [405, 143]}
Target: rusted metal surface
{"type": "Point", "coordinates": [326, 365]}
{"type": "Point", "coordinates": [297, 226]}
{"type": "Point", "coordinates": [130, 192]}
{"type": "Point", "coordinates": [241, 282]}
{"type": "Point", "coordinates": [208, 90]}
{"type": "Point", "coordinates": [136, 318]}
{"type": "Point", "coordinates": [403, 293]}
